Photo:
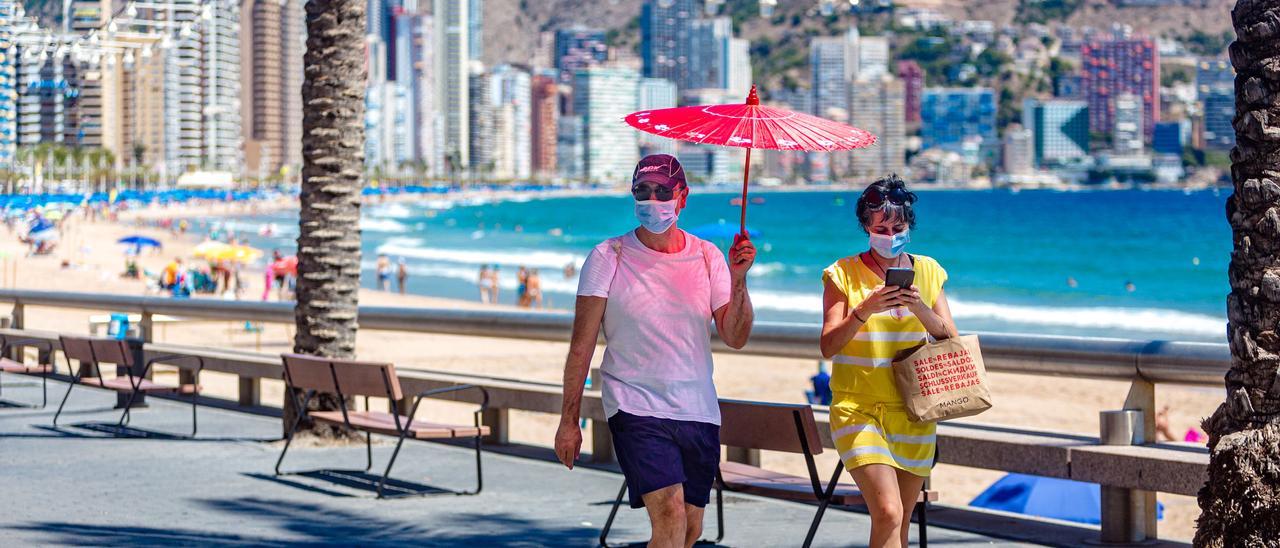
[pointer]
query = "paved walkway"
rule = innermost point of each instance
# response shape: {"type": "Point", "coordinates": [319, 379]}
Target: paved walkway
{"type": "Point", "coordinates": [82, 484]}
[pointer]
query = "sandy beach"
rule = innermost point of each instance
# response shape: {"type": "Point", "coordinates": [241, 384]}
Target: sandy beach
{"type": "Point", "coordinates": [94, 262]}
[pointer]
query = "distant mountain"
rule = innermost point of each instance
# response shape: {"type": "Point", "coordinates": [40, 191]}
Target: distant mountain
{"type": "Point", "coordinates": [780, 42]}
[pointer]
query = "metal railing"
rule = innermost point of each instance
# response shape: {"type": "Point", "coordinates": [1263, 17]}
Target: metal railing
{"type": "Point", "coordinates": [1141, 363]}
{"type": "Point", "coordinates": [1084, 357]}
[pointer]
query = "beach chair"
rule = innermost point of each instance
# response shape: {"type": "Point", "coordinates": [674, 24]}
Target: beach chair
{"type": "Point", "coordinates": [348, 378]}
{"type": "Point", "coordinates": [43, 367]}
{"type": "Point", "coordinates": [91, 353]}
{"type": "Point", "coordinates": [787, 428]}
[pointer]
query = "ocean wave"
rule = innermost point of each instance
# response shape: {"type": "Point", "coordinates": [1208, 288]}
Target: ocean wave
{"type": "Point", "coordinates": [382, 225]}
{"type": "Point", "coordinates": [509, 257]}
{"type": "Point", "coordinates": [1156, 320]}
{"type": "Point", "coordinates": [390, 211]}
{"type": "Point", "coordinates": [1129, 319]}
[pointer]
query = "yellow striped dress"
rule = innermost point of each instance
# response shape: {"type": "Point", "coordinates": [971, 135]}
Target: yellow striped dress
{"type": "Point", "coordinates": [868, 421]}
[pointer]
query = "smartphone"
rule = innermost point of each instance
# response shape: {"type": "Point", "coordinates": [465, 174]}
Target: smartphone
{"type": "Point", "coordinates": [901, 277]}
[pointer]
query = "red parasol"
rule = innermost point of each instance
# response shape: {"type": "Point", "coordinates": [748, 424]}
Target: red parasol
{"type": "Point", "coordinates": [750, 125]}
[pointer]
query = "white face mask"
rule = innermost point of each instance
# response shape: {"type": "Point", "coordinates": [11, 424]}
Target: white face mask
{"type": "Point", "coordinates": [656, 216]}
{"type": "Point", "coordinates": [890, 246]}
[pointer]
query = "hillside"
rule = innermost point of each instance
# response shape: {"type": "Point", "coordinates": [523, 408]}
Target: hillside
{"type": "Point", "coordinates": [780, 43]}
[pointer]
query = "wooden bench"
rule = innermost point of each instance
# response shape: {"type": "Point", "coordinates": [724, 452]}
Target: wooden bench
{"type": "Point", "coordinates": [349, 378]}
{"type": "Point", "coordinates": [788, 428]}
{"type": "Point", "coordinates": [42, 367]}
{"type": "Point", "coordinates": [91, 353]}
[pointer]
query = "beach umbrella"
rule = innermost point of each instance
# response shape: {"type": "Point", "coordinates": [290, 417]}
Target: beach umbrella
{"type": "Point", "coordinates": [750, 125]}
{"type": "Point", "coordinates": [1046, 497]}
{"type": "Point", "coordinates": [139, 241]}
{"type": "Point", "coordinates": [218, 251]}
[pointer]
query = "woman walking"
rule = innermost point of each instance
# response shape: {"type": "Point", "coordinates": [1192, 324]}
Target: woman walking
{"type": "Point", "coordinates": [866, 323]}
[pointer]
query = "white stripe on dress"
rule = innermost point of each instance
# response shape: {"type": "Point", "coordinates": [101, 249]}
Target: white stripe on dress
{"type": "Point", "coordinates": [891, 336]}
{"type": "Point", "coordinates": [855, 429]}
{"type": "Point", "coordinates": [845, 359]}
{"type": "Point", "coordinates": [877, 450]}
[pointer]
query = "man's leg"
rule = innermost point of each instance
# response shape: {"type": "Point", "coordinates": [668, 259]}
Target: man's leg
{"type": "Point", "coordinates": [692, 524]}
{"type": "Point", "coordinates": [667, 518]}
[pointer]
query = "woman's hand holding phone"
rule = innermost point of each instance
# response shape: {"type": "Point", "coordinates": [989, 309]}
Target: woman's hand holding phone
{"type": "Point", "coordinates": [881, 299]}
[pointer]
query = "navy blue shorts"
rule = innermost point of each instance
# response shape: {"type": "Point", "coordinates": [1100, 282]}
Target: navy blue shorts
{"type": "Point", "coordinates": [656, 453]}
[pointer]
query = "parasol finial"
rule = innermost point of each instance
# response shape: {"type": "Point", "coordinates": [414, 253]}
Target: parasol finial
{"type": "Point", "coordinates": [752, 98]}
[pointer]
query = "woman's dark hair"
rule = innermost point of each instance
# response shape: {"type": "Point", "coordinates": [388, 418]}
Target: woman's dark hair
{"type": "Point", "coordinates": [893, 212]}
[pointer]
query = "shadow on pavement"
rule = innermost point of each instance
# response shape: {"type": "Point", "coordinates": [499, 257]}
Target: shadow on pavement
{"type": "Point", "coordinates": [300, 524]}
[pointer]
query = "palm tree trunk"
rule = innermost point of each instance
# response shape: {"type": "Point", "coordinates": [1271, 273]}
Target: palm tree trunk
{"type": "Point", "coordinates": [333, 163]}
{"type": "Point", "coordinates": [1240, 503]}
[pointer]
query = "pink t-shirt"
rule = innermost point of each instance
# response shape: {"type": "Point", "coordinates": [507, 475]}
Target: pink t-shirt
{"type": "Point", "coordinates": [657, 358]}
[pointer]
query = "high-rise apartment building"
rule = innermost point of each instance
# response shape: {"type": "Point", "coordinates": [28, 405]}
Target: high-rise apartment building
{"type": "Point", "coordinates": [912, 77]}
{"type": "Point", "coordinates": [1019, 150]}
{"type": "Point", "coordinates": [577, 48]}
{"type": "Point", "coordinates": [950, 117]}
{"type": "Point", "coordinates": [877, 106]}
{"type": "Point", "coordinates": [544, 122]}
{"type": "Point", "coordinates": [718, 60]}
{"type": "Point", "coordinates": [452, 82]}
{"type": "Point", "coordinates": [480, 134]}
{"type": "Point", "coordinates": [1169, 137]}
{"type": "Point", "coordinates": [1126, 133]}
{"type": "Point", "coordinates": [873, 57]}
{"type": "Point", "coordinates": [1215, 87]}
{"type": "Point", "coordinates": [833, 64]}
{"type": "Point", "coordinates": [1115, 67]}
{"type": "Point", "coordinates": [1059, 128]}
{"type": "Point", "coordinates": [511, 95]}
{"type": "Point", "coordinates": [272, 42]}
{"type": "Point", "coordinates": [475, 30]}
{"type": "Point", "coordinates": [603, 96]}
{"type": "Point", "coordinates": [666, 27]}
{"type": "Point", "coordinates": [427, 124]}
{"type": "Point", "coordinates": [220, 82]}
{"type": "Point", "coordinates": [656, 93]}
{"type": "Point", "coordinates": [8, 83]}
{"type": "Point", "coordinates": [571, 147]}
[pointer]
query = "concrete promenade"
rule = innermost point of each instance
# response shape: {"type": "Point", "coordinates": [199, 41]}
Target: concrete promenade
{"type": "Point", "coordinates": [84, 484]}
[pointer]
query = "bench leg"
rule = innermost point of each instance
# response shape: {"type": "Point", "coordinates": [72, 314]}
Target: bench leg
{"type": "Point", "coordinates": [72, 384]}
{"type": "Point", "coordinates": [719, 517]}
{"type": "Point", "coordinates": [822, 505]}
{"type": "Point", "coordinates": [479, 470]}
{"type": "Point", "coordinates": [608, 524]}
{"type": "Point", "coordinates": [288, 439]}
{"type": "Point", "coordinates": [382, 482]}
{"type": "Point", "coordinates": [924, 523]}
{"type": "Point", "coordinates": [44, 388]}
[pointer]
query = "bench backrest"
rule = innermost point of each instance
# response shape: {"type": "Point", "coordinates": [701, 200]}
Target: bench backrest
{"type": "Point", "coordinates": [349, 377]}
{"type": "Point", "coordinates": [769, 426]}
{"type": "Point", "coordinates": [92, 350]}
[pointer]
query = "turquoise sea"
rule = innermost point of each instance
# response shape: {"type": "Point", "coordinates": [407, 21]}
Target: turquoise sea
{"type": "Point", "coordinates": [1010, 255]}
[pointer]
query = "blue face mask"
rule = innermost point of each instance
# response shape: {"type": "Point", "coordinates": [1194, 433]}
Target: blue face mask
{"type": "Point", "coordinates": [890, 246]}
{"type": "Point", "coordinates": [656, 216]}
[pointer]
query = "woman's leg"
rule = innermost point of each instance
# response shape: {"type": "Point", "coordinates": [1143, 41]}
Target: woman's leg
{"type": "Point", "coordinates": [909, 485]}
{"type": "Point", "coordinates": [879, 486]}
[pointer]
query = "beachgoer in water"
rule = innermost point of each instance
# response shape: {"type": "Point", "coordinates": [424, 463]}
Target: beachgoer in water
{"type": "Point", "coordinates": [865, 325]}
{"type": "Point", "coordinates": [482, 282]}
{"type": "Point", "coordinates": [402, 274]}
{"type": "Point", "coordinates": [1071, 281]}
{"type": "Point", "coordinates": [533, 290]}
{"type": "Point", "coordinates": [654, 290]}
{"type": "Point", "coordinates": [494, 284]}
{"type": "Point", "coordinates": [383, 271]}
{"type": "Point", "coordinates": [570, 271]}
{"type": "Point", "coordinates": [522, 287]}
{"type": "Point", "coordinates": [1128, 286]}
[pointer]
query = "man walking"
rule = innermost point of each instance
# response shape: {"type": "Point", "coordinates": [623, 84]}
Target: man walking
{"type": "Point", "coordinates": [662, 286]}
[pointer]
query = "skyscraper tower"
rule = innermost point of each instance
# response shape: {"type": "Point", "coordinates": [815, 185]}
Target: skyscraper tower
{"type": "Point", "coordinates": [453, 96]}
{"type": "Point", "coordinates": [666, 27]}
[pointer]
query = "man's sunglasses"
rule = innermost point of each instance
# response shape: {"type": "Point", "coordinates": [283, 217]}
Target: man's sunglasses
{"type": "Point", "coordinates": [875, 197]}
{"type": "Point", "coordinates": [653, 192]}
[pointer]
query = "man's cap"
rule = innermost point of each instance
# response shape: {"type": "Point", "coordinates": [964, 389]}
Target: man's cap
{"type": "Point", "coordinates": [663, 169]}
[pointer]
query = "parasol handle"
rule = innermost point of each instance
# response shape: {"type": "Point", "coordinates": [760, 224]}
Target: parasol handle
{"type": "Point", "coordinates": [742, 222]}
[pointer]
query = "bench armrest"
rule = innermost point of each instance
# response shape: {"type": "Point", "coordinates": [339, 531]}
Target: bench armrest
{"type": "Point", "coordinates": [171, 358]}
{"type": "Point", "coordinates": [484, 402]}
